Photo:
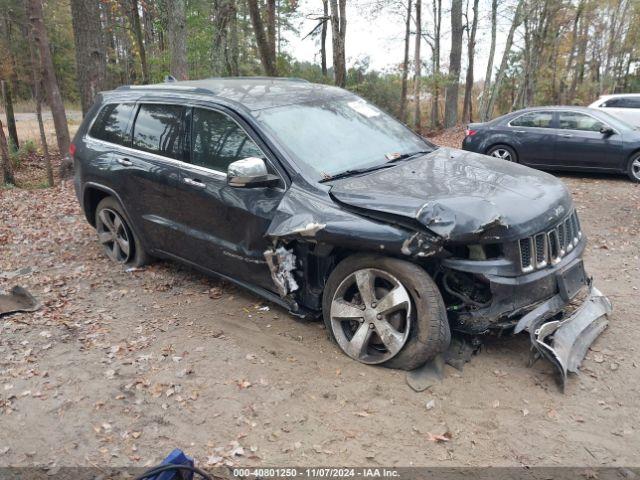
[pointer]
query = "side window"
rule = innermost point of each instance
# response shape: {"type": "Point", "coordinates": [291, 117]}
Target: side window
{"type": "Point", "coordinates": [630, 102]}
{"type": "Point", "coordinates": [158, 129]}
{"type": "Point", "coordinates": [218, 141]}
{"type": "Point", "coordinates": [111, 123]}
{"type": "Point", "coordinates": [615, 102]}
{"type": "Point", "coordinates": [533, 119]}
{"type": "Point", "coordinates": [579, 121]}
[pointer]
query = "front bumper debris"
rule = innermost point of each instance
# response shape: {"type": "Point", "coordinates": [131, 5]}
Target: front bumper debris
{"type": "Point", "coordinates": [565, 342]}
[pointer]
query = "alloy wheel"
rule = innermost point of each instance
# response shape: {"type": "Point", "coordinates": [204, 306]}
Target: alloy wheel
{"type": "Point", "coordinates": [113, 235]}
{"type": "Point", "coordinates": [371, 315]}
{"type": "Point", "coordinates": [635, 168]}
{"type": "Point", "coordinates": [502, 153]}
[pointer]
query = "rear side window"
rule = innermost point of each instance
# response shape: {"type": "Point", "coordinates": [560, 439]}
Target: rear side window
{"type": "Point", "coordinates": [218, 141]}
{"type": "Point", "coordinates": [533, 119]}
{"type": "Point", "coordinates": [158, 129]}
{"type": "Point", "coordinates": [112, 122]}
{"type": "Point", "coordinates": [622, 102]}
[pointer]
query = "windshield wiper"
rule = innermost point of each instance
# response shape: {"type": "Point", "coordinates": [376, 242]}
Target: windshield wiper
{"type": "Point", "coordinates": [354, 171]}
{"type": "Point", "coordinates": [406, 156]}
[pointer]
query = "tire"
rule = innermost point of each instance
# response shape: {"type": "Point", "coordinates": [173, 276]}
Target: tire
{"type": "Point", "coordinates": [503, 152]}
{"type": "Point", "coordinates": [113, 236]}
{"type": "Point", "coordinates": [633, 168]}
{"type": "Point", "coordinates": [419, 318]}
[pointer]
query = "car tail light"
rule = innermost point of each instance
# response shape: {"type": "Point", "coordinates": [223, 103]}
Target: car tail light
{"type": "Point", "coordinates": [469, 133]}
{"type": "Point", "coordinates": [72, 150]}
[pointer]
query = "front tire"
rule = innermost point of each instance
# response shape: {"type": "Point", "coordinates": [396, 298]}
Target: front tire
{"type": "Point", "coordinates": [503, 152]}
{"type": "Point", "coordinates": [119, 242]}
{"type": "Point", "coordinates": [385, 311]}
{"type": "Point", "coordinates": [633, 169]}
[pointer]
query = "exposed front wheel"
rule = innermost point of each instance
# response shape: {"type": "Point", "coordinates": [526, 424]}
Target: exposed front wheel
{"type": "Point", "coordinates": [386, 311]}
{"type": "Point", "coordinates": [116, 236]}
{"type": "Point", "coordinates": [503, 152]}
{"type": "Point", "coordinates": [633, 170]}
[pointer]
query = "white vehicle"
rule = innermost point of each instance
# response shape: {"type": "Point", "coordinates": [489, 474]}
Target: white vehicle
{"type": "Point", "coordinates": [625, 106]}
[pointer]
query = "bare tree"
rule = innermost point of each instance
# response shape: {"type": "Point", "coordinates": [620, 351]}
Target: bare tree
{"type": "Point", "coordinates": [405, 64]}
{"type": "Point", "coordinates": [434, 43]}
{"type": "Point", "coordinates": [91, 60]}
{"type": "Point", "coordinates": [517, 18]}
{"type": "Point", "coordinates": [7, 167]}
{"type": "Point", "coordinates": [262, 40]}
{"type": "Point", "coordinates": [417, 60]}
{"type": "Point", "coordinates": [455, 56]}
{"type": "Point", "coordinates": [323, 37]}
{"type": "Point", "coordinates": [177, 33]}
{"type": "Point", "coordinates": [271, 29]}
{"type": "Point", "coordinates": [37, 96]}
{"type": "Point", "coordinates": [338, 36]}
{"type": "Point", "coordinates": [492, 52]}
{"type": "Point", "coordinates": [467, 104]}
{"type": "Point", "coordinates": [51, 84]}
{"type": "Point", "coordinates": [137, 30]}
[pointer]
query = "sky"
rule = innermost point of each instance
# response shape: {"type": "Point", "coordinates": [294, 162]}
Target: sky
{"type": "Point", "coordinates": [381, 37]}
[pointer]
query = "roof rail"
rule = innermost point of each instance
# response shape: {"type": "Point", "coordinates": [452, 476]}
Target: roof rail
{"type": "Point", "coordinates": [260, 77]}
{"type": "Point", "coordinates": [167, 87]}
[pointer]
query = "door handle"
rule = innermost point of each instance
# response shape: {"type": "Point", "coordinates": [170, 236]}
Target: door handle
{"type": "Point", "coordinates": [125, 162]}
{"type": "Point", "coordinates": [194, 182]}
{"type": "Point", "coordinates": [566, 135]}
{"type": "Point", "coordinates": [520, 131]}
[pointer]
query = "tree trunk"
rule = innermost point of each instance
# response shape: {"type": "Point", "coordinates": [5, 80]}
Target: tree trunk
{"type": "Point", "coordinates": [489, 73]}
{"type": "Point", "coordinates": [261, 39]}
{"type": "Point", "coordinates": [177, 33]}
{"type": "Point", "coordinates": [505, 58]}
{"type": "Point", "coordinates": [51, 85]}
{"type": "Point", "coordinates": [323, 37]}
{"type": "Point", "coordinates": [451, 98]}
{"type": "Point", "coordinates": [91, 60]}
{"type": "Point", "coordinates": [405, 65]}
{"type": "Point", "coordinates": [417, 60]}
{"type": "Point", "coordinates": [37, 96]}
{"type": "Point", "coordinates": [271, 29]}
{"type": "Point", "coordinates": [435, 62]}
{"type": "Point", "coordinates": [572, 52]}
{"type": "Point", "coordinates": [11, 119]}
{"type": "Point", "coordinates": [467, 109]}
{"type": "Point", "coordinates": [338, 35]}
{"type": "Point", "coordinates": [7, 168]}
{"type": "Point", "coordinates": [137, 30]}
{"type": "Point", "coordinates": [233, 57]}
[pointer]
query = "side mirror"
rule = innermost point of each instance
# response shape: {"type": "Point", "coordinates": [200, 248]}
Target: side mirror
{"type": "Point", "coordinates": [250, 172]}
{"type": "Point", "coordinates": [606, 130]}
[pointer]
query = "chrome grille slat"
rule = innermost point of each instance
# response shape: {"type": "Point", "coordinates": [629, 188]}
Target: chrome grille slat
{"type": "Point", "coordinates": [548, 248]}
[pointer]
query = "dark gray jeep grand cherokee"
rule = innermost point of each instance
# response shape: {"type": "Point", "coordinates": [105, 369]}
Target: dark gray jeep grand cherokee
{"type": "Point", "coordinates": [318, 201]}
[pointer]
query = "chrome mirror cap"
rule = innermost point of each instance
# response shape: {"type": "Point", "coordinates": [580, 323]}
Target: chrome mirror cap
{"type": "Point", "coordinates": [246, 172]}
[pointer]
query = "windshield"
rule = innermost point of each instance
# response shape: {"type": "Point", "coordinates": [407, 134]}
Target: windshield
{"type": "Point", "coordinates": [333, 136]}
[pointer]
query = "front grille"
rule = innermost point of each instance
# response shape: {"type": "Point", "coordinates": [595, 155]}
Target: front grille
{"type": "Point", "coordinates": [548, 248]}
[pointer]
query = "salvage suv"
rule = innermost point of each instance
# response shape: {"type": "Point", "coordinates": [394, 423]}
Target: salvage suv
{"type": "Point", "coordinates": [316, 200]}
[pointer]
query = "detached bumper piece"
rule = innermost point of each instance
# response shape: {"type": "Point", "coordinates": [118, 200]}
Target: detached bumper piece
{"type": "Point", "coordinates": [565, 342]}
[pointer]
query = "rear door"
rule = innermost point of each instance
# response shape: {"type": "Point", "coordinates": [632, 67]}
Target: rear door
{"type": "Point", "coordinates": [226, 225]}
{"type": "Point", "coordinates": [580, 143]}
{"type": "Point", "coordinates": [534, 137]}
{"type": "Point", "coordinates": [151, 170]}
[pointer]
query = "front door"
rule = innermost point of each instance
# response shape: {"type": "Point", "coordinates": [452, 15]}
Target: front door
{"type": "Point", "coordinates": [226, 225]}
{"type": "Point", "coordinates": [580, 143]}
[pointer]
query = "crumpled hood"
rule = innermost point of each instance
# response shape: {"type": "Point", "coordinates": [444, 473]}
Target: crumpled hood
{"type": "Point", "coordinates": [461, 195]}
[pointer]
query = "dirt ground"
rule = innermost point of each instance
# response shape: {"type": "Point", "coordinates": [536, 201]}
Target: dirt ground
{"type": "Point", "coordinates": [119, 367]}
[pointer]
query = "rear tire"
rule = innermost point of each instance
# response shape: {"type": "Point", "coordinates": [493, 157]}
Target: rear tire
{"type": "Point", "coordinates": [403, 329]}
{"type": "Point", "coordinates": [633, 169]}
{"type": "Point", "coordinates": [503, 152]}
{"type": "Point", "coordinates": [118, 240]}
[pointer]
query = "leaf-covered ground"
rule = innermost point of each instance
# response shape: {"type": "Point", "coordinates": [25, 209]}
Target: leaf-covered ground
{"type": "Point", "coordinates": [119, 367]}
